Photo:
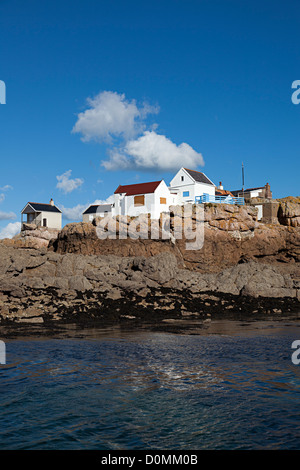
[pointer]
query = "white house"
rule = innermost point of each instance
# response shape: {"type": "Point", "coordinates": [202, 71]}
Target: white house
{"type": "Point", "coordinates": [143, 198]}
{"type": "Point", "coordinates": [190, 183]}
{"type": "Point", "coordinates": [94, 211]}
{"type": "Point", "coordinates": [42, 215]}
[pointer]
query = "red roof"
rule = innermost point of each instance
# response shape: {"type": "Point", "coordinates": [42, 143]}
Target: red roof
{"type": "Point", "coordinates": [140, 188]}
{"type": "Point", "coordinates": [223, 192]}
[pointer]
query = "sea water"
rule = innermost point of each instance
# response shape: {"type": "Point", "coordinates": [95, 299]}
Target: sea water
{"type": "Point", "coordinates": [232, 386]}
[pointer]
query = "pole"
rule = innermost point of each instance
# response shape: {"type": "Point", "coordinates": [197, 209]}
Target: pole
{"type": "Point", "coordinates": [243, 176]}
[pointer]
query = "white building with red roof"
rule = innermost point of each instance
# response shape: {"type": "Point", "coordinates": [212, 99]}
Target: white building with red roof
{"type": "Point", "coordinates": [151, 198]}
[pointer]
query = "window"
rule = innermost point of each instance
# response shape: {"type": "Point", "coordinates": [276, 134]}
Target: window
{"type": "Point", "coordinates": [163, 200]}
{"type": "Point", "coordinates": [139, 200]}
{"type": "Point", "coordinates": [182, 178]}
{"type": "Point", "coordinates": [185, 193]}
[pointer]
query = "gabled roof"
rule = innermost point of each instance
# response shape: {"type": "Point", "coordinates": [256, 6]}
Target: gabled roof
{"type": "Point", "coordinates": [140, 188]}
{"type": "Point", "coordinates": [199, 176]}
{"type": "Point", "coordinates": [39, 207]}
{"type": "Point", "coordinates": [93, 209]}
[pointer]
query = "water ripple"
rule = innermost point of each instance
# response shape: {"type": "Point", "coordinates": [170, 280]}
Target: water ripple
{"type": "Point", "coordinates": [150, 390]}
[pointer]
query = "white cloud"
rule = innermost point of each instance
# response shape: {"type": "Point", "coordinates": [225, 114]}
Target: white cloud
{"type": "Point", "coordinates": [75, 213]}
{"type": "Point", "coordinates": [108, 200]}
{"type": "Point", "coordinates": [66, 184]}
{"type": "Point", "coordinates": [10, 230]}
{"type": "Point", "coordinates": [7, 215]}
{"type": "Point", "coordinates": [153, 151]}
{"type": "Point", "coordinates": [6, 187]}
{"type": "Point", "coordinates": [111, 115]}
{"type": "Point", "coordinates": [132, 142]}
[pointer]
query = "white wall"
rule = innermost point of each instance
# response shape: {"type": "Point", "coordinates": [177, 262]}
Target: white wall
{"type": "Point", "coordinates": [202, 188]}
{"type": "Point", "coordinates": [161, 191]}
{"type": "Point", "coordinates": [255, 193]}
{"type": "Point", "coordinates": [54, 219]}
{"type": "Point", "coordinates": [176, 181]}
{"type": "Point", "coordinates": [189, 185]}
{"type": "Point", "coordinates": [119, 200]}
{"type": "Point", "coordinates": [134, 211]}
{"type": "Point", "coordinates": [124, 205]}
{"type": "Point", "coordinates": [260, 211]}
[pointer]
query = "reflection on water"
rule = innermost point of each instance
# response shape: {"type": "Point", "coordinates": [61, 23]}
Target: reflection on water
{"type": "Point", "coordinates": [109, 389]}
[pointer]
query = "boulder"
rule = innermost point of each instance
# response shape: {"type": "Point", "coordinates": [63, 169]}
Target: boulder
{"type": "Point", "coordinates": [289, 211]}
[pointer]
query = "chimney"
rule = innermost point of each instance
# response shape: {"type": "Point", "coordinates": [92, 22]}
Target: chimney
{"type": "Point", "coordinates": [268, 192]}
{"type": "Point", "coordinates": [220, 185]}
{"type": "Point", "coordinates": [51, 202]}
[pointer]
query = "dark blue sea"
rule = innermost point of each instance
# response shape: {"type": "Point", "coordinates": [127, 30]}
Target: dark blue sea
{"type": "Point", "coordinates": [232, 385]}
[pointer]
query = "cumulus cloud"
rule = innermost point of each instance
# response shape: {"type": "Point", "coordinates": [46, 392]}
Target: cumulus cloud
{"type": "Point", "coordinates": [2, 197]}
{"type": "Point", "coordinates": [66, 184]}
{"type": "Point", "coordinates": [75, 213]}
{"type": "Point", "coordinates": [110, 115]}
{"type": "Point", "coordinates": [132, 143]}
{"type": "Point", "coordinates": [153, 151]}
{"type": "Point", "coordinates": [7, 215]}
{"type": "Point", "coordinates": [10, 230]}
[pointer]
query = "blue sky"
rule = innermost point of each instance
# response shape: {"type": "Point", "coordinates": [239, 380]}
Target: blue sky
{"type": "Point", "coordinates": [102, 93]}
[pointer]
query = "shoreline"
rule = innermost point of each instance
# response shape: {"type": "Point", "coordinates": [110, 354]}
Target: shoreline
{"type": "Point", "coordinates": [164, 310]}
{"type": "Point", "coordinates": [230, 325]}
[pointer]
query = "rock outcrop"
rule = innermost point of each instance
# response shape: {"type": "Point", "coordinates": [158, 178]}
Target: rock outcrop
{"type": "Point", "coordinates": [42, 287]}
{"type": "Point", "coordinates": [289, 211]}
{"type": "Point", "coordinates": [32, 237]}
{"type": "Point", "coordinates": [232, 235]}
{"type": "Point", "coordinates": [74, 275]}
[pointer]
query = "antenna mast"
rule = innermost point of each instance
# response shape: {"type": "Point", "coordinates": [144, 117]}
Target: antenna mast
{"type": "Point", "coordinates": [243, 176]}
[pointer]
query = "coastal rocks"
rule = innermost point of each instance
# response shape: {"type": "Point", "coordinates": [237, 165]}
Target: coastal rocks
{"type": "Point", "coordinates": [232, 235]}
{"type": "Point", "coordinates": [32, 237]}
{"type": "Point", "coordinates": [243, 266]}
{"type": "Point", "coordinates": [230, 217]}
{"type": "Point", "coordinates": [81, 238]}
{"type": "Point", "coordinates": [160, 268]}
{"type": "Point", "coordinates": [46, 286]}
{"type": "Point", "coordinates": [252, 279]}
{"type": "Point", "coordinates": [289, 211]}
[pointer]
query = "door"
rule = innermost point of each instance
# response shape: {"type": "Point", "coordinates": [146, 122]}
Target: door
{"type": "Point", "coordinates": [44, 222]}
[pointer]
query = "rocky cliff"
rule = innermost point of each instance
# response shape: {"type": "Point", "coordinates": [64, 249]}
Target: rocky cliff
{"type": "Point", "coordinates": [232, 235]}
{"type": "Point", "coordinates": [42, 287]}
{"type": "Point", "coordinates": [243, 268]}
